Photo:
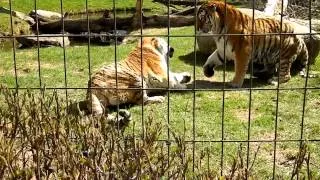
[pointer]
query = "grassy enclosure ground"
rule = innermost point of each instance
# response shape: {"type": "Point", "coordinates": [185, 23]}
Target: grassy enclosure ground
{"type": "Point", "coordinates": [208, 111]}
{"type": "Point", "coordinates": [208, 104]}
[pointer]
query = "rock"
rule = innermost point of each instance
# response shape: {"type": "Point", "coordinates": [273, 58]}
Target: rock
{"type": "Point", "coordinates": [18, 14]}
{"type": "Point", "coordinates": [206, 45]}
{"type": "Point", "coordinates": [43, 41]}
{"type": "Point", "coordinates": [274, 7]}
{"type": "Point", "coordinates": [44, 15]}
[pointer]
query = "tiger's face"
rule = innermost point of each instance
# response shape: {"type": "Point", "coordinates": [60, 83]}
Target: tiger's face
{"type": "Point", "coordinates": [208, 19]}
{"type": "Point", "coordinates": [159, 44]}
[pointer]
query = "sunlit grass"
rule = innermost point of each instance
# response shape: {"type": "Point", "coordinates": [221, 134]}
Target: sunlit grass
{"type": "Point", "coordinates": [202, 122]}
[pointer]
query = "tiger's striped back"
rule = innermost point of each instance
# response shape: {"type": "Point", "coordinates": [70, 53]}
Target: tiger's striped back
{"type": "Point", "coordinates": [264, 47]}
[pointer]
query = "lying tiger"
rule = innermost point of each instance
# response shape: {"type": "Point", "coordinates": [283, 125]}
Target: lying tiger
{"type": "Point", "coordinates": [216, 17]}
{"type": "Point", "coordinates": [152, 53]}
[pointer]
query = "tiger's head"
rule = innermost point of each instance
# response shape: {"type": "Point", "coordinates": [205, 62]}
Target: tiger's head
{"type": "Point", "coordinates": [159, 44]}
{"type": "Point", "coordinates": [210, 16]}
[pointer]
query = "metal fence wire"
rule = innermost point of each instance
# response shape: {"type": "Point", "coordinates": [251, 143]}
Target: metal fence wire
{"type": "Point", "coordinates": [195, 142]}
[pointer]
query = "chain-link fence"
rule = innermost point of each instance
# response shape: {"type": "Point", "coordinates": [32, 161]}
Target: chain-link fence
{"type": "Point", "coordinates": [205, 130]}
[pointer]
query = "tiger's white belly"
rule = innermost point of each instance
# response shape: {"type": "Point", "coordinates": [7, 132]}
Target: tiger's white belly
{"type": "Point", "coordinates": [224, 47]}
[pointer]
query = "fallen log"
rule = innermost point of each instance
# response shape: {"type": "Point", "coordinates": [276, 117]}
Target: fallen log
{"type": "Point", "coordinates": [180, 2]}
{"type": "Point", "coordinates": [187, 11]}
{"type": "Point", "coordinates": [162, 21]}
{"type": "Point", "coordinates": [44, 15]}
{"type": "Point", "coordinates": [102, 11]}
{"type": "Point", "coordinates": [78, 26]}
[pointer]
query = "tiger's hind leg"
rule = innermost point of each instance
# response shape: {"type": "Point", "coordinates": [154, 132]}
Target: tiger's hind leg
{"type": "Point", "coordinates": [97, 108]}
{"type": "Point", "coordinates": [152, 81]}
{"type": "Point", "coordinates": [123, 119]}
{"type": "Point", "coordinates": [302, 59]}
{"type": "Point", "coordinates": [284, 71]}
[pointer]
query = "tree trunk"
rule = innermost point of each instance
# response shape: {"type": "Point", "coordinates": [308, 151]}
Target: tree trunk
{"type": "Point", "coordinates": [136, 23]}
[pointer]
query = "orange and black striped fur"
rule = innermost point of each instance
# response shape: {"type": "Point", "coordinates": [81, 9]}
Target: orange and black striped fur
{"type": "Point", "coordinates": [216, 17]}
{"type": "Point", "coordinates": [152, 53]}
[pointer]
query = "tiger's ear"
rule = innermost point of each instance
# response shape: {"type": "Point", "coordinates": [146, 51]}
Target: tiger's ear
{"type": "Point", "coordinates": [154, 42]}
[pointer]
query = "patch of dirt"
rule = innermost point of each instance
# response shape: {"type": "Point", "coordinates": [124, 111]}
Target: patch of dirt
{"type": "Point", "coordinates": [243, 114]}
{"type": "Point", "coordinates": [266, 136]}
{"type": "Point", "coordinates": [24, 69]}
{"type": "Point", "coordinates": [285, 157]}
{"type": "Point", "coordinates": [315, 103]}
{"type": "Point", "coordinates": [2, 72]}
{"type": "Point", "coordinates": [80, 72]}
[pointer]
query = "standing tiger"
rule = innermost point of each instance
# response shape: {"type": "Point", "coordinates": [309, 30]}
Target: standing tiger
{"type": "Point", "coordinates": [145, 67]}
{"type": "Point", "coordinates": [216, 17]}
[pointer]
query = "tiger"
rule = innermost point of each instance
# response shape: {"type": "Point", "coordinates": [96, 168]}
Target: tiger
{"type": "Point", "coordinates": [216, 17]}
{"type": "Point", "coordinates": [145, 67]}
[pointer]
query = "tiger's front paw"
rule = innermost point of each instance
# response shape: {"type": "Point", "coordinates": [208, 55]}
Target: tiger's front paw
{"type": "Point", "coordinates": [124, 117]}
{"type": "Point", "coordinates": [154, 99]}
{"type": "Point", "coordinates": [234, 85]}
{"type": "Point", "coordinates": [208, 70]}
{"type": "Point", "coordinates": [125, 114]}
{"type": "Point", "coordinates": [274, 81]}
{"type": "Point", "coordinates": [186, 77]}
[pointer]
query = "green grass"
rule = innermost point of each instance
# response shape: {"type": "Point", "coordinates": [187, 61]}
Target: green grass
{"type": "Point", "coordinates": [76, 5]}
{"type": "Point", "coordinates": [208, 111]}
{"type": "Point", "coordinates": [207, 121]}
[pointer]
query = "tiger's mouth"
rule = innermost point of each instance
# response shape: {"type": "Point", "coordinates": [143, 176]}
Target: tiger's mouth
{"type": "Point", "coordinates": [205, 29]}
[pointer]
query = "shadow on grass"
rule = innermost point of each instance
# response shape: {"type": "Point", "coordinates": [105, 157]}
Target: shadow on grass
{"type": "Point", "coordinates": [204, 84]}
{"type": "Point", "coordinates": [201, 59]}
{"type": "Point", "coordinates": [189, 58]}
{"type": "Point", "coordinates": [80, 107]}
